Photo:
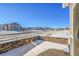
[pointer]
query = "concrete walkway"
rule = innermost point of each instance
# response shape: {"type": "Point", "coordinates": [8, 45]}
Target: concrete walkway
{"type": "Point", "coordinates": [45, 46]}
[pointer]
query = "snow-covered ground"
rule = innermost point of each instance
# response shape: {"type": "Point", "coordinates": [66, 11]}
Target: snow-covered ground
{"type": "Point", "coordinates": [7, 32]}
{"type": "Point", "coordinates": [61, 34]}
{"type": "Point", "coordinates": [19, 51]}
{"type": "Point", "coordinates": [32, 50]}
{"type": "Point", "coordinates": [22, 50]}
{"type": "Point", "coordinates": [45, 46]}
{"type": "Point", "coordinates": [37, 42]}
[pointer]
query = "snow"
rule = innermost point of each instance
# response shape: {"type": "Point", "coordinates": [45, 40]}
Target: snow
{"type": "Point", "coordinates": [38, 41]}
{"type": "Point", "coordinates": [7, 32]}
{"type": "Point", "coordinates": [31, 49]}
{"type": "Point", "coordinates": [61, 34]}
{"type": "Point", "coordinates": [45, 46]}
{"type": "Point", "coordinates": [22, 50]}
{"type": "Point", "coordinates": [19, 51]}
{"type": "Point", "coordinates": [35, 49]}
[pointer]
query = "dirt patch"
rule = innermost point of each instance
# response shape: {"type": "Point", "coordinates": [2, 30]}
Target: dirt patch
{"type": "Point", "coordinates": [54, 52]}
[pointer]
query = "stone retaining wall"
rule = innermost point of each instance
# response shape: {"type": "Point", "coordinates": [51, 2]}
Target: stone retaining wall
{"type": "Point", "coordinates": [11, 45]}
{"type": "Point", "coordinates": [57, 40]}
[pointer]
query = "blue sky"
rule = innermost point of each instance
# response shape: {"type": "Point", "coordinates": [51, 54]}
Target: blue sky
{"type": "Point", "coordinates": [31, 14]}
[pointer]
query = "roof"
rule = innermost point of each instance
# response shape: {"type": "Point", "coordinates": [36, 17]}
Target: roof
{"type": "Point", "coordinates": [71, 5]}
{"type": "Point", "coordinates": [65, 5]}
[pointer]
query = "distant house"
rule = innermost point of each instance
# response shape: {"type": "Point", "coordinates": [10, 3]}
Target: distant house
{"type": "Point", "coordinates": [11, 27]}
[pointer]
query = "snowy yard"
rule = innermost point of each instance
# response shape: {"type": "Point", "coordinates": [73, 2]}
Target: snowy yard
{"type": "Point", "coordinates": [61, 34]}
{"type": "Point", "coordinates": [38, 46]}
{"type": "Point", "coordinates": [22, 50]}
{"type": "Point", "coordinates": [19, 51]}
{"type": "Point", "coordinates": [7, 32]}
{"type": "Point", "coordinates": [45, 46]}
{"type": "Point", "coordinates": [32, 50]}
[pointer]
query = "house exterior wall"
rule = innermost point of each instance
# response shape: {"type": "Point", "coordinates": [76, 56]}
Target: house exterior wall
{"type": "Point", "coordinates": [11, 26]}
{"type": "Point", "coordinates": [74, 25]}
{"type": "Point", "coordinates": [75, 29]}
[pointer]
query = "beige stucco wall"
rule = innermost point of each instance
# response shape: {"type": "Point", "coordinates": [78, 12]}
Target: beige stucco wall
{"type": "Point", "coordinates": [74, 24]}
{"type": "Point", "coordinates": [75, 29]}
